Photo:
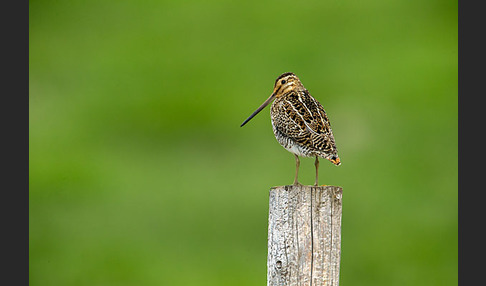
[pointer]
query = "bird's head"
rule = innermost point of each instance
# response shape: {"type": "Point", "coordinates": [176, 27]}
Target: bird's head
{"type": "Point", "coordinates": [285, 83]}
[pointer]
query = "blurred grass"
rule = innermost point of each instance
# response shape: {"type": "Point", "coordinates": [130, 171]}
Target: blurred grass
{"type": "Point", "coordinates": [141, 175]}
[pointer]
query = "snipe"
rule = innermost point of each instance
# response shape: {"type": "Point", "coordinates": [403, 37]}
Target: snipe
{"type": "Point", "coordinates": [300, 123]}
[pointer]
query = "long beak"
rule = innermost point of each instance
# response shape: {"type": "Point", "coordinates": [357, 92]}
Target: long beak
{"type": "Point", "coordinates": [259, 109]}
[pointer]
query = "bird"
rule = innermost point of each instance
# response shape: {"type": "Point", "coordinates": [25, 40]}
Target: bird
{"type": "Point", "coordinates": [300, 123]}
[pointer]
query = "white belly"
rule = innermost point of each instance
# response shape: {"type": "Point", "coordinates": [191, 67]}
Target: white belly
{"type": "Point", "coordinates": [295, 149]}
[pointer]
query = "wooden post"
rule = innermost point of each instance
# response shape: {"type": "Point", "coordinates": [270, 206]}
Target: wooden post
{"type": "Point", "coordinates": [304, 236]}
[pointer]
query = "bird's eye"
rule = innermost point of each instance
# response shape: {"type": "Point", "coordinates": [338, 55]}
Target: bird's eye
{"type": "Point", "coordinates": [283, 81]}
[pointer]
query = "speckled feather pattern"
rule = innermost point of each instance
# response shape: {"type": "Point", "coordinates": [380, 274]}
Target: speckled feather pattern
{"type": "Point", "coordinates": [301, 125]}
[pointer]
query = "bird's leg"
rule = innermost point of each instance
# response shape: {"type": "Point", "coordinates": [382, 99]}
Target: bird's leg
{"type": "Point", "coordinates": [316, 163]}
{"type": "Point", "coordinates": [297, 164]}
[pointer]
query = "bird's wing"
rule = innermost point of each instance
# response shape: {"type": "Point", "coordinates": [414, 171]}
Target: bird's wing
{"type": "Point", "coordinates": [308, 123]}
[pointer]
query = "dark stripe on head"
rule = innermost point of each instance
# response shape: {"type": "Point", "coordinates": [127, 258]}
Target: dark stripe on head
{"type": "Point", "coordinates": [283, 75]}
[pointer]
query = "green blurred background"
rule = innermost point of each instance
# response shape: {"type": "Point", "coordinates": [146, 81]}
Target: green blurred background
{"type": "Point", "coordinates": [141, 175]}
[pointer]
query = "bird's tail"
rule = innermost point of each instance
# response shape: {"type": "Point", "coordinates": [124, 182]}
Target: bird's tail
{"type": "Point", "coordinates": [335, 160]}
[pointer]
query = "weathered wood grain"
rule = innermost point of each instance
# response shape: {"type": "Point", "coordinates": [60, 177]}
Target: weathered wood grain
{"type": "Point", "coordinates": [304, 236]}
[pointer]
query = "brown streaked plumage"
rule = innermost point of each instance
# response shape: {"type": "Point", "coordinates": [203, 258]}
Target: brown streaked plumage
{"type": "Point", "coordinates": [299, 122]}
